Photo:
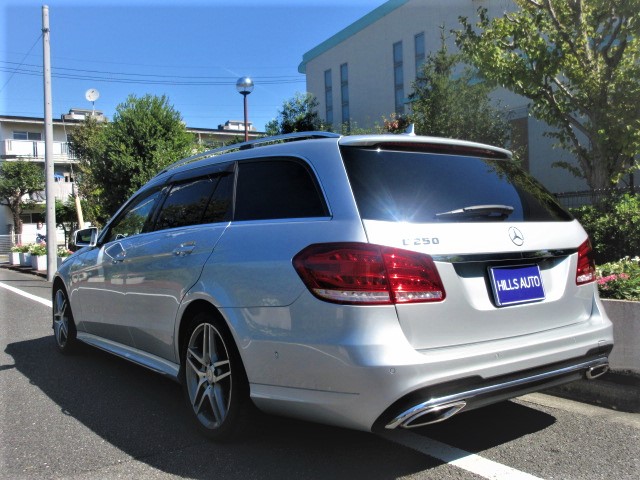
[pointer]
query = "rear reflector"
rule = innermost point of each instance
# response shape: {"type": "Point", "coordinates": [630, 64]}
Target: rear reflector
{"type": "Point", "coordinates": [586, 271]}
{"type": "Point", "coordinates": [365, 274]}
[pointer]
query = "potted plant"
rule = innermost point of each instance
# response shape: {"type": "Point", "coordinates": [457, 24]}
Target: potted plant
{"type": "Point", "coordinates": [25, 255]}
{"type": "Point", "coordinates": [62, 254]}
{"type": "Point", "coordinates": [38, 256]}
{"type": "Point", "coordinates": [14, 257]}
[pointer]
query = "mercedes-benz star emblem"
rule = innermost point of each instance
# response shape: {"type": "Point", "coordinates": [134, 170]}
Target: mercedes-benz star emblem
{"type": "Point", "coordinates": [516, 236]}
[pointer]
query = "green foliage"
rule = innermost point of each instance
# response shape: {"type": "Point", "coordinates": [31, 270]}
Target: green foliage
{"type": "Point", "coordinates": [620, 280]}
{"type": "Point", "coordinates": [298, 114]}
{"type": "Point", "coordinates": [38, 249]}
{"type": "Point", "coordinates": [16, 180]}
{"type": "Point", "coordinates": [116, 159]}
{"type": "Point", "coordinates": [579, 63]}
{"type": "Point", "coordinates": [613, 226]}
{"type": "Point", "coordinates": [449, 101]}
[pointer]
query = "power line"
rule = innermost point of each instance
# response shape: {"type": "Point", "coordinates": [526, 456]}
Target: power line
{"type": "Point", "coordinates": [21, 62]}
{"type": "Point", "coordinates": [141, 78]}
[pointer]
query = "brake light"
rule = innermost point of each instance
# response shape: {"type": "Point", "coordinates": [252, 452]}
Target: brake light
{"type": "Point", "coordinates": [586, 271]}
{"type": "Point", "coordinates": [365, 274]}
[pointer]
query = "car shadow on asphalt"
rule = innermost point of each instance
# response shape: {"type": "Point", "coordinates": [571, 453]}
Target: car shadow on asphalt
{"type": "Point", "coordinates": [144, 415]}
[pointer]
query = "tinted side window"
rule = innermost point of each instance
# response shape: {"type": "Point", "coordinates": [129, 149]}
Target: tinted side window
{"type": "Point", "coordinates": [424, 187]}
{"type": "Point", "coordinates": [202, 200]}
{"type": "Point", "coordinates": [135, 218]}
{"type": "Point", "coordinates": [277, 188]}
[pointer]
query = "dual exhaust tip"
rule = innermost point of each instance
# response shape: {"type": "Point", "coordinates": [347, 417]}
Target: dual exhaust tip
{"type": "Point", "coordinates": [428, 413]}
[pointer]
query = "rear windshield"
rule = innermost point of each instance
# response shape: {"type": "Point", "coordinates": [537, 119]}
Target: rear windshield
{"type": "Point", "coordinates": [428, 187]}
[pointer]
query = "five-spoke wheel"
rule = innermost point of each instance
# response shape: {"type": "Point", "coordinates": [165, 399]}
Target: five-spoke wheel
{"type": "Point", "coordinates": [213, 378]}
{"type": "Point", "coordinates": [64, 328]}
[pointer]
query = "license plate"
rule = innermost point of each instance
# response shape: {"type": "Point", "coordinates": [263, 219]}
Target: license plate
{"type": "Point", "coordinates": [517, 284]}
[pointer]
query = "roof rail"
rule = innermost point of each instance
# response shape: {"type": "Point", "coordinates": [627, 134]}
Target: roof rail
{"type": "Point", "coordinates": [287, 137]}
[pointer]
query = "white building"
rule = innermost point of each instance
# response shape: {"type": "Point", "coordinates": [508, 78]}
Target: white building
{"type": "Point", "coordinates": [237, 125]}
{"type": "Point", "coordinates": [22, 138]}
{"type": "Point", "coordinates": [366, 71]}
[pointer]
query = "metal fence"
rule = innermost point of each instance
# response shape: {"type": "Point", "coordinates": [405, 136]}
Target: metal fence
{"type": "Point", "coordinates": [593, 197]}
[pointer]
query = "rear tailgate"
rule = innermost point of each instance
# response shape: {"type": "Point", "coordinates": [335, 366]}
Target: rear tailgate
{"type": "Point", "coordinates": [481, 306]}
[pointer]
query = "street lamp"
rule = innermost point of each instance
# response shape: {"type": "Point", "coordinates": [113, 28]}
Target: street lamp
{"type": "Point", "coordinates": [244, 86]}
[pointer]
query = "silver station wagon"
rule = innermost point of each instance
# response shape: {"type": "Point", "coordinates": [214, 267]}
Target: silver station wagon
{"type": "Point", "coordinates": [370, 282]}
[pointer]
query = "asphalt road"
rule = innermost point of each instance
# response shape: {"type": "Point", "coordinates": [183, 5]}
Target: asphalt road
{"type": "Point", "coordinates": [92, 415]}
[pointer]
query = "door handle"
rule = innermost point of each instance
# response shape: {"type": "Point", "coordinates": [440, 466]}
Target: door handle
{"type": "Point", "coordinates": [184, 249]}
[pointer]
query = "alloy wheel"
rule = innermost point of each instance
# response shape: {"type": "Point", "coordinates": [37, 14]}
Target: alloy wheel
{"type": "Point", "coordinates": [61, 319]}
{"type": "Point", "coordinates": [208, 376]}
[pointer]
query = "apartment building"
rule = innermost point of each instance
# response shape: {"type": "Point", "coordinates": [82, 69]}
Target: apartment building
{"type": "Point", "coordinates": [22, 138]}
{"type": "Point", "coordinates": [366, 71]}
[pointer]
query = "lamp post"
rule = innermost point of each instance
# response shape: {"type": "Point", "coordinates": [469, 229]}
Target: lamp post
{"type": "Point", "coordinates": [244, 86]}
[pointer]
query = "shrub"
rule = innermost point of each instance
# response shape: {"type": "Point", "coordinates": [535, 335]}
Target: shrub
{"type": "Point", "coordinates": [38, 249]}
{"type": "Point", "coordinates": [63, 252]}
{"type": "Point", "coordinates": [620, 280]}
{"type": "Point", "coordinates": [613, 225]}
{"type": "Point", "coordinates": [20, 248]}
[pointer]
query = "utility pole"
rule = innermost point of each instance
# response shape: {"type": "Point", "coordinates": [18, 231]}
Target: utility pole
{"type": "Point", "coordinates": [52, 241]}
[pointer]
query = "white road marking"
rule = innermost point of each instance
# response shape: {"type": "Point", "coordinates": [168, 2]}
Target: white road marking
{"type": "Point", "coordinates": [455, 456]}
{"type": "Point", "coordinates": [43, 301]}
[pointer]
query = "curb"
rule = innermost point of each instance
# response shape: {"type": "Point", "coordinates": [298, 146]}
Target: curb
{"type": "Point", "coordinates": [614, 390]}
{"type": "Point", "coordinates": [27, 270]}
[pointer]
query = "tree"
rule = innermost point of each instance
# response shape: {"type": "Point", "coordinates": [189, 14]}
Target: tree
{"type": "Point", "coordinates": [579, 63]}
{"type": "Point", "coordinates": [18, 179]}
{"type": "Point", "coordinates": [116, 159]}
{"type": "Point", "coordinates": [455, 105]}
{"type": "Point", "coordinates": [67, 215]}
{"type": "Point", "coordinates": [298, 114]}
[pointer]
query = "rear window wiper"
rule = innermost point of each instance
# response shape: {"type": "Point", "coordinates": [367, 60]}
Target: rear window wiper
{"type": "Point", "coordinates": [479, 212]}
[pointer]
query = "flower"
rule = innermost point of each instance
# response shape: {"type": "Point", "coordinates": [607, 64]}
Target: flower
{"type": "Point", "coordinates": [63, 252]}
{"type": "Point", "coordinates": [20, 248]}
{"type": "Point", "coordinates": [38, 249]}
{"type": "Point", "coordinates": [611, 278]}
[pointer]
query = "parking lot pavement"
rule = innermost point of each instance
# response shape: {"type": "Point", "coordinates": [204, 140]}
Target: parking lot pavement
{"type": "Point", "coordinates": [92, 415]}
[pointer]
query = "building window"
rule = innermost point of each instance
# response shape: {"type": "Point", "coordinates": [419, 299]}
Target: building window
{"type": "Point", "coordinates": [328, 97]}
{"type": "Point", "coordinates": [398, 77]}
{"type": "Point", "coordinates": [344, 93]}
{"type": "Point", "coordinates": [36, 136]}
{"type": "Point", "coordinates": [418, 42]}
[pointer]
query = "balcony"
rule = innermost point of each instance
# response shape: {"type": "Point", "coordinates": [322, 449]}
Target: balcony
{"type": "Point", "coordinates": [34, 150]}
{"type": "Point", "coordinates": [61, 191]}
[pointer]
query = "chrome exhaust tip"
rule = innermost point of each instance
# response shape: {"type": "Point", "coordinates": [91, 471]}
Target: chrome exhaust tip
{"type": "Point", "coordinates": [422, 415]}
{"type": "Point", "coordinates": [597, 371]}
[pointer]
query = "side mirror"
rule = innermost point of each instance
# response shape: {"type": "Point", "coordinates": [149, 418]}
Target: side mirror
{"type": "Point", "coordinates": [87, 237]}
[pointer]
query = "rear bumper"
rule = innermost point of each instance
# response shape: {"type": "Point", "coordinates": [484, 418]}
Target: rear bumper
{"type": "Point", "coordinates": [444, 401]}
{"type": "Point", "coordinates": [364, 374]}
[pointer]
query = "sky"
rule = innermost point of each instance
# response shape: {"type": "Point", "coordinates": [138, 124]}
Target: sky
{"type": "Point", "coordinates": [192, 51]}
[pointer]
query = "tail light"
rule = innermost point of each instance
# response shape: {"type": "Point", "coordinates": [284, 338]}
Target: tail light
{"type": "Point", "coordinates": [586, 271]}
{"type": "Point", "coordinates": [365, 274]}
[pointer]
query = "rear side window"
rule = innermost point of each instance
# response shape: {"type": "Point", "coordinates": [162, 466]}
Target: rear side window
{"type": "Point", "coordinates": [205, 199]}
{"type": "Point", "coordinates": [277, 188]}
{"type": "Point", "coordinates": [427, 187]}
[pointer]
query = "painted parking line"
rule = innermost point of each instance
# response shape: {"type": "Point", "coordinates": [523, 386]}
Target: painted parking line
{"type": "Point", "coordinates": [454, 456]}
{"type": "Point", "coordinates": [43, 301]}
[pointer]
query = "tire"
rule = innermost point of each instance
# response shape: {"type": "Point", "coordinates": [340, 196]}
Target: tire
{"type": "Point", "coordinates": [213, 379]}
{"type": "Point", "coordinates": [64, 327]}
